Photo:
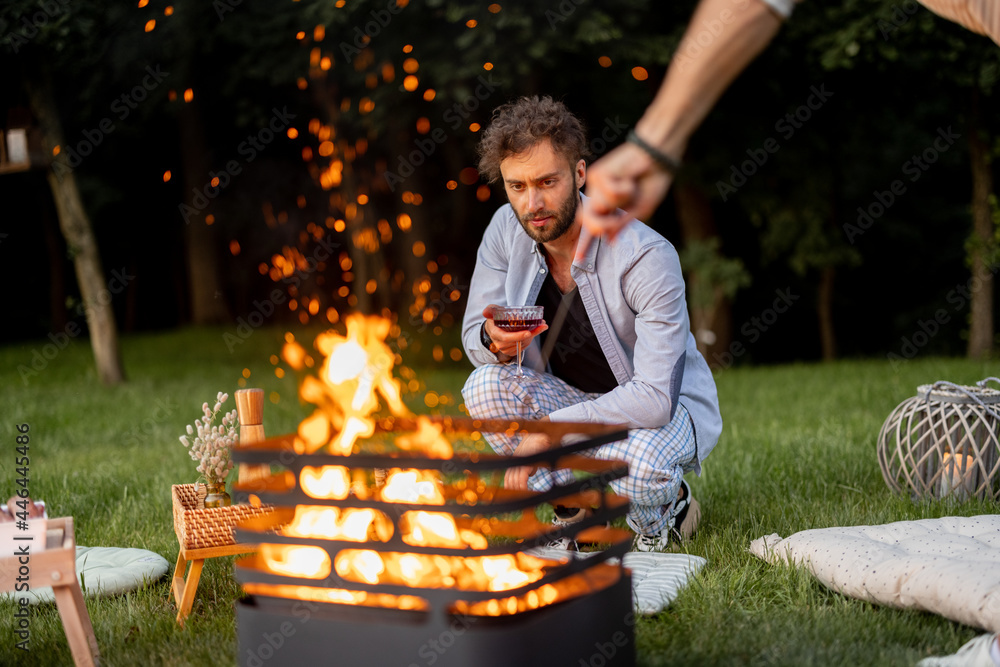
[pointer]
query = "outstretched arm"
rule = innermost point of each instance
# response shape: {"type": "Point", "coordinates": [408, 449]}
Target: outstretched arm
{"type": "Point", "coordinates": [982, 16]}
{"type": "Point", "coordinates": [723, 37]}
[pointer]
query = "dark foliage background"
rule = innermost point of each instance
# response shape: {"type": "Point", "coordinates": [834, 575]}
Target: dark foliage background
{"type": "Point", "coordinates": [897, 76]}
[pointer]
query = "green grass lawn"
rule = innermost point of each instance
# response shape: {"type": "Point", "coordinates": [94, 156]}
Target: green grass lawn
{"type": "Point", "coordinates": [797, 452]}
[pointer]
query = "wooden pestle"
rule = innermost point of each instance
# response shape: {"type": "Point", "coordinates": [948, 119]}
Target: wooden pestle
{"type": "Point", "coordinates": [250, 410]}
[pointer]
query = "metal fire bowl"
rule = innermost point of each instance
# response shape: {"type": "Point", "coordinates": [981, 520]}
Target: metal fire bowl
{"type": "Point", "coordinates": [282, 491]}
{"type": "Point", "coordinates": [280, 451]}
{"type": "Point", "coordinates": [595, 629]}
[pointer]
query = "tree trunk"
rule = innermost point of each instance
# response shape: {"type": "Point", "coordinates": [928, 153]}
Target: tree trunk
{"type": "Point", "coordinates": [204, 288]}
{"type": "Point", "coordinates": [207, 302]}
{"type": "Point", "coordinates": [981, 313]}
{"type": "Point", "coordinates": [711, 310]}
{"type": "Point", "coordinates": [58, 317]}
{"type": "Point", "coordinates": [80, 240]}
{"type": "Point", "coordinates": [824, 311]}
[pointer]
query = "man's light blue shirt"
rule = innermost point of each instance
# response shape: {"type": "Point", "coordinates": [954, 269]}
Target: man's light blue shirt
{"type": "Point", "coordinates": [633, 291]}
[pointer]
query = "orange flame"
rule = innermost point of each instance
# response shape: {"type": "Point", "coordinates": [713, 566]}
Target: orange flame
{"type": "Point", "coordinates": [355, 374]}
{"type": "Point", "coordinates": [470, 573]}
{"type": "Point", "coordinates": [356, 371]}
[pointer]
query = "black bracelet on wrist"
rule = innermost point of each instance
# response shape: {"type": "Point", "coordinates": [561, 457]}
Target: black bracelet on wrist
{"type": "Point", "coordinates": [667, 163]}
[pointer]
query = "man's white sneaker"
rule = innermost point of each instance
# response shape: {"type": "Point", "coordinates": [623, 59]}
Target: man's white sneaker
{"type": "Point", "coordinates": [681, 526]}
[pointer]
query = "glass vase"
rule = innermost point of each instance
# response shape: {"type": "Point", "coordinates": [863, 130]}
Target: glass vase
{"type": "Point", "coordinates": [217, 496]}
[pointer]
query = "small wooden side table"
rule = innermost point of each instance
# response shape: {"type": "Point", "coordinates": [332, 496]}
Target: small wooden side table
{"type": "Point", "coordinates": [208, 533]}
{"type": "Point", "coordinates": [185, 581]}
{"type": "Point", "coordinates": [56, 567]}
{"type": "Point", "coordinates": [203, 533]}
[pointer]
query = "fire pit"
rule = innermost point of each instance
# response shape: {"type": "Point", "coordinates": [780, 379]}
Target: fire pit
{"type": "Point", "coordinates": [387, 548]}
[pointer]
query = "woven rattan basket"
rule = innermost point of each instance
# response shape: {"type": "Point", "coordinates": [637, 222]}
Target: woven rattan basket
{"type": "Point", "coordinates": [206, 528]}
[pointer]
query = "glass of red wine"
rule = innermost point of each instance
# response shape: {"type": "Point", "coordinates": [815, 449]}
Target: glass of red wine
{"type": "Point", "coordinates": [519, 318]}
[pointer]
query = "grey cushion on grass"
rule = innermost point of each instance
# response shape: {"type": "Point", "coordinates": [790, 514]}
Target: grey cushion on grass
{"type": "Point", "coordinates": [106, 571]}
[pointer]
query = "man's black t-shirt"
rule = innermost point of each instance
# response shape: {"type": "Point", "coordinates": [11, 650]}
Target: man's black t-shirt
{"type": "Point", "coordinates": [576, 356]}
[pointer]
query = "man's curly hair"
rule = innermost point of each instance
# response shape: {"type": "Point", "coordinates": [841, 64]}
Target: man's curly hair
{"type": "Point", "coordinates": [519, 125]}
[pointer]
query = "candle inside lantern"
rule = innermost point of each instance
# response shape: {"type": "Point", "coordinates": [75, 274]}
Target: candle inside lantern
{"type": "Point", "coordinates": [957, 476]}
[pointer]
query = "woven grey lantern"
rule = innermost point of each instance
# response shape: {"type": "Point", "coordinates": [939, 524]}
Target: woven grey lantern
{"type": "Point", "coordinates": [944, 443]}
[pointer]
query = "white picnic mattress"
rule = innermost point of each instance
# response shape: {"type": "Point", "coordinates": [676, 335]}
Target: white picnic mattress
{"type": "Point", "coordinates": [948, 566]}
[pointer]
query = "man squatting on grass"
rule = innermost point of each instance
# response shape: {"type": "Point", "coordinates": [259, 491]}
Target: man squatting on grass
{"type": "Point", "coordinates": [625, 353]}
